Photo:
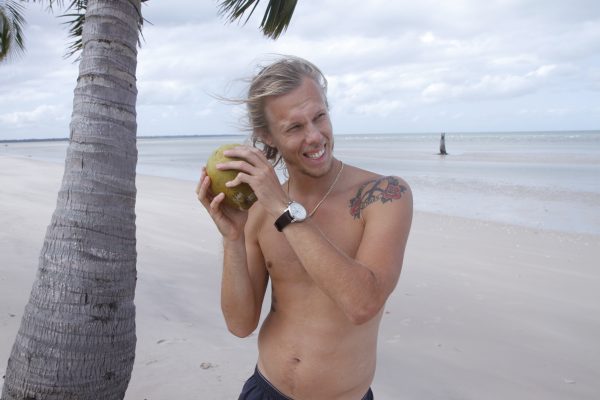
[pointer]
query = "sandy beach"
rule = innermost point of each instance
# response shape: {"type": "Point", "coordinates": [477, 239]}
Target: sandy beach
{"type": "Point", "coordinates": [483, 310]}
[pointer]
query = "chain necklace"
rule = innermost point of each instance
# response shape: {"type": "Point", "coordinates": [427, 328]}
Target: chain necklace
{"type": "Point", "coordinates": [310, 214]}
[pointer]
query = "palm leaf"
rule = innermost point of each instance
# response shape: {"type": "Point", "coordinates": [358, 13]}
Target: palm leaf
{"type": "Point", "coordinates": [11, 29]}
{"type": "Point", "coordinates": [76, 19]}
{"type": "Point", "coordinates": [75, 32]}
{"type": "Point", "coordinates": [276, 19]}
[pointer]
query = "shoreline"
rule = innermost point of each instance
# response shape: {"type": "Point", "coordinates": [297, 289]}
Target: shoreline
{"type": "Point", "coordinates": [218, 135]}
{"type": "Point", "coordinates": [564, 202]}
{"type": "Point", "coordinates": [479, 220]}
{"type": "Point", "coordinates": [481, 307]}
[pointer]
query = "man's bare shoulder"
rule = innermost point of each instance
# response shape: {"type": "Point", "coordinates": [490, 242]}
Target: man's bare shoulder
{"type": "Point", "coordinates": [371, 189]}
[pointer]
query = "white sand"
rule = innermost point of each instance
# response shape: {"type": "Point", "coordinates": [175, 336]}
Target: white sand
{"type": "Point", "coordinates": [482, 310]}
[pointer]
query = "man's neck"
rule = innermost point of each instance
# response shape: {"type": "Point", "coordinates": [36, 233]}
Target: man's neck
{"type": "Point", "coordinates": [309, 190]}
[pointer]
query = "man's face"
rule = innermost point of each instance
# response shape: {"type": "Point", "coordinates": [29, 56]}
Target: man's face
{"type": "Point", "coordinates": [300, 128]}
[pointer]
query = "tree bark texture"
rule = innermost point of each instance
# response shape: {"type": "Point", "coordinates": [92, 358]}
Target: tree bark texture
{"type": "Point", "coordinates": [77, 334]}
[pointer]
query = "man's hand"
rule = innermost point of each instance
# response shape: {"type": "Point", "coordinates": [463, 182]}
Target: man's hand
{"type": "Point", "coordinates": [229, 220]}
{"type": "Point", "coordinates": [258, 172]}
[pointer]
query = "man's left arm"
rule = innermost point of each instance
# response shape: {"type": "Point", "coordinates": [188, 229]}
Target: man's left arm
{"type": "Point", "coordinates": [360, 285]}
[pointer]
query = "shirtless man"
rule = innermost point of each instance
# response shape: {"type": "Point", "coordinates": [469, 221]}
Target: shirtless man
{"type": "Point", "coordinates": [331, 239]}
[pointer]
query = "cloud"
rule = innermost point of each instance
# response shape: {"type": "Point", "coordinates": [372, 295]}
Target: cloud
{"type": "Point", "coordinates": [33, 116]}
{"type": "Point", "coordinates": [488, 87]}
{"type": "Point", "coordinates": [485, 87]}
{"type": "Point", "coordinates": [380, 108]}
{"type": "Point", "coordinates": [165, 92]}
{"type": "Point", "coordinates": [389, 64]}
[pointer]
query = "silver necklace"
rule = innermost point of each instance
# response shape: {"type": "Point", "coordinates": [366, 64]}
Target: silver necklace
{"type": "Point", "coordinates": [310, 214]}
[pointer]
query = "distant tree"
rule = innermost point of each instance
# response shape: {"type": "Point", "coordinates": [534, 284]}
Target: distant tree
{"type": "Point", "coordinates": [77, 334]}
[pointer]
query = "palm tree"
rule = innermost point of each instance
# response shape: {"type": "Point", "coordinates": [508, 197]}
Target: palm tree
{"type": "Point", "coordinates": [11, 29]}
{"type": "Point", "coordinates": [77, 334]}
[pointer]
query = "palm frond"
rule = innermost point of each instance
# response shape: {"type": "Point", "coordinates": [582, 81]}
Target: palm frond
{"type": "Point", "coordinates": [5, 36]}
{"type": "Point", "coordinates": [276, 19]}
{"type": "Point", "coordinates": [75, 32]}
{"type": "Point", "coordinates": [76, 21]}
{"type": "Point", "coordinates": [12, 40]}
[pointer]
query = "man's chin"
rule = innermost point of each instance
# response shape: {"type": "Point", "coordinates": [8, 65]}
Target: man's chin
{"type": "Point", "coordinates": [318, 171]}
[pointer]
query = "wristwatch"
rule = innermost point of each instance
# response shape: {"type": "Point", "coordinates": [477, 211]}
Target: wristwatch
{"type": "Point", "coordinates": [293, 213]}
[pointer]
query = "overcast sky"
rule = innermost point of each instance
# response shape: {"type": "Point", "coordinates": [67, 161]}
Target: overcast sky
{"type": "Point", "coordinates": [393, 66]}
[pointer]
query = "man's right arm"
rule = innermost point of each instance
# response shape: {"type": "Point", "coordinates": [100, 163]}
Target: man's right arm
{"type": "Point", "coordinates": [244, 273]}
{"type": "Point", "coordinates": [244, 281]}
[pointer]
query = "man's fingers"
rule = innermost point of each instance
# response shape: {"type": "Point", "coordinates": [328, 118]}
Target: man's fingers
{"type": "Point", "coordinates": [203, 176]}
{"type": "Point", "coordinates": [239, 165]}
{"type": "Point", "coordinates": [251, 155]}
{"type": "Point", "coordinates": [216, 202]}
{"type": "Point", "coordinates": [239, 178]}
{"type": "Point", "coordinates": [199, 184]}
{"type": "Point", "coordinates": [203, 191]}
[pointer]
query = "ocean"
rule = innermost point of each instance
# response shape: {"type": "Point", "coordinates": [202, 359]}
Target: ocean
{"type": "Point", "coordinates": [541, 180]}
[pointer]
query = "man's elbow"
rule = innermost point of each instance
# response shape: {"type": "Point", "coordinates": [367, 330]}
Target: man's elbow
{"type": "Point", "coordinates": [239, 330]}
{"type": "Point", "coordinates": [240, 324]}
{"type": "Point", "coordinates": [240, 333]}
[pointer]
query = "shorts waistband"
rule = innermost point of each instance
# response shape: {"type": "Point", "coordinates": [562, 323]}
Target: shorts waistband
{"type": "Point", "coordinates": [273, 391]}
{"type": "Point", "coordinates": [268, 386]}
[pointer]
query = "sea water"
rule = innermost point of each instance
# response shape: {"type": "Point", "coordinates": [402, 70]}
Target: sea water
{"type": "Point", "coordinates": [542, 180]}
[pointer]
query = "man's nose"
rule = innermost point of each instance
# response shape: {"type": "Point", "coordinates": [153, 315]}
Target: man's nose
{"type": "Point", "coordinates": [313, 134]}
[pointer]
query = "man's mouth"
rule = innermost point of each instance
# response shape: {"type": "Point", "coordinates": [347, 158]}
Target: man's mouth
{"type": "Point", "coordinates": [315, 155]}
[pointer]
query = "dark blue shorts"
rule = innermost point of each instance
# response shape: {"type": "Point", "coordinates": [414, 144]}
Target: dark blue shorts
{"type": "Point", "coordinates": [257, 387]}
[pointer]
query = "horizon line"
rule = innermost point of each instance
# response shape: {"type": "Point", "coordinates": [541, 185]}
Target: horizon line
{"type": "Point", "coordinates": [182, 136]}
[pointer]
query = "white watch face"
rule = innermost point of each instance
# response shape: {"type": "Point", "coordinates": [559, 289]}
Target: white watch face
{"type": "Point", "coordinates": [297, 211]}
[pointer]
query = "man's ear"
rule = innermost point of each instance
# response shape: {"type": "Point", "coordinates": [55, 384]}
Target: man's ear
{"type": "Point", "coordinates": [265, 137]}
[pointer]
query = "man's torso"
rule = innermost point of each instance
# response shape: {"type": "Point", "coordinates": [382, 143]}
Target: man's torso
{"type": "Point", "coordinates": [307, 347]}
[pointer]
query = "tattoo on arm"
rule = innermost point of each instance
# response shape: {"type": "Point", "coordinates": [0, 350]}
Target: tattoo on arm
{"type": "Point", "coordinates": [384, 189]}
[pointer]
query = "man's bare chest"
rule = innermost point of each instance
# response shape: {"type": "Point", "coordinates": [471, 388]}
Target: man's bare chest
{"type": "Point", "coordinates": [283, 262]}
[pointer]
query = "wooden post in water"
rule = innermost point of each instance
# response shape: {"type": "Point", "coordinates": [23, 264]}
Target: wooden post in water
{"type": "Point", "coordinates": [443, 145]}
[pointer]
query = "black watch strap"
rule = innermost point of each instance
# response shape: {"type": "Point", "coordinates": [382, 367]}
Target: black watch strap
{"type": "Point", "coordinates": [284, 220]}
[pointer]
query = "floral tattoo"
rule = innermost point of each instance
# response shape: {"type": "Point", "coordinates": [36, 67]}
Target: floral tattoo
{"type": "Point", "coordinates": [385, 189]}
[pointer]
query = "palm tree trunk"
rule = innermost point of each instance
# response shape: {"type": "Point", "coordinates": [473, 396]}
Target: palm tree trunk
{"type": "Point", "coordinates": [77, 335]}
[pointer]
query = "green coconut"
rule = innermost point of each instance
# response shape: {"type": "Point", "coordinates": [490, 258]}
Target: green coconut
{"type": "Point", "coordinates": [240, 196]}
